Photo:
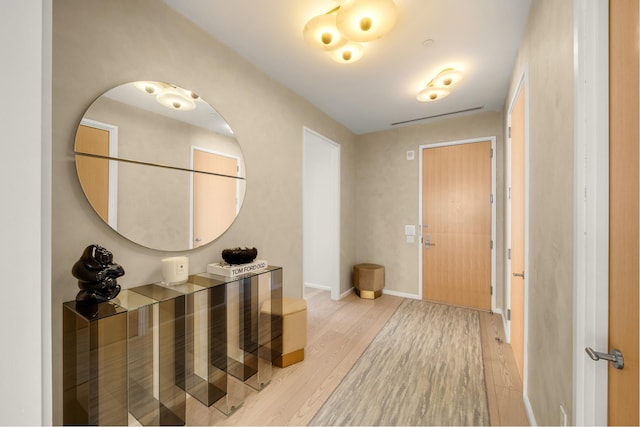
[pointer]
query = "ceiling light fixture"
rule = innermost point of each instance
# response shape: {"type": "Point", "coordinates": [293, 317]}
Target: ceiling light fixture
{"type": "Point", "coordinates": [366, 20]}
{"type": "Point", "coordinates": [169, 96]}
{"type": "Point", "coordinates": [321, 32]}
{"type": "Point", "coordinates": [355, 21]}
{"type": "Point", "coordinates": [432, 93]}
{"type": "Point", "coordinates": [448, 77]}
{"type": "Point", "coordinates": [351, 52]}
{"type": "Point", "coordinates": [440, 86]}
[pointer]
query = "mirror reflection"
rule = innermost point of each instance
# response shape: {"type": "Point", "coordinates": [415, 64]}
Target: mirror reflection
{"type": "Point", "coordinates": [160, 165]}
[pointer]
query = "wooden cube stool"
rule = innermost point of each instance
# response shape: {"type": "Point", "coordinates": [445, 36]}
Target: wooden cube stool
{"type": "Point", "coordinates": [368, 280]}
{"type": "Point", "coordinates": [294, 330]}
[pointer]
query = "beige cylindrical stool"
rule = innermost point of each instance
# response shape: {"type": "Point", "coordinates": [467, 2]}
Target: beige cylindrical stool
{"type": "Point", "coordinates": [368, 280]}
{"type": "Point", "coordinates": [294, 330]}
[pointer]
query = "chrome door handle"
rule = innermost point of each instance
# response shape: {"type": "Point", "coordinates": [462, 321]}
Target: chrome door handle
{"type": "Point", "coordinates": [519, 274]}
{"type": "Point", "coordinates": [615, 357]}
{"type": "Point", "coordinates": [427, 241]}
{"type": "Point", "coordinates": [197, 239]}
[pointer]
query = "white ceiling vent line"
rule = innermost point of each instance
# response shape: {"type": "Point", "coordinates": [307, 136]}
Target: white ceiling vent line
{"type": "Point", "coordinates": [438, 115]}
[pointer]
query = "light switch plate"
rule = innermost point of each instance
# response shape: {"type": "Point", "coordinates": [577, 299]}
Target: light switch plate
{"type": "Point", "coordinates": [411, 155]}
{"type": "Point", "coordinates": [410, 230]}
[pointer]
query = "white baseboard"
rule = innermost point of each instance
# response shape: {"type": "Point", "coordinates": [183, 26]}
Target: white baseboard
{"type": "Point", "coordinates": [504, 326]}
{"type": "Point", "coordinates": [529, 410]}
{"type": "Point", "coordinates": [504, 318]}
{"type": "Point", "coordinates": [400, 294]}
{"type": "Point", "coordinates": [315, 286]}
{"type": "Point", "coordinates": [351, 290]}
{"type": "Point", "coordinates": [346, 293]}
{"type": "Point", "coordinates": [328, 288]}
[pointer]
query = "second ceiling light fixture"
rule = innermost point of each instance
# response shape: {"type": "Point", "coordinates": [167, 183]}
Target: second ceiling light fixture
{"type": "Point", "coordinates": [341, 30]}
{"type": "Point", "coordinates": [440, 86]}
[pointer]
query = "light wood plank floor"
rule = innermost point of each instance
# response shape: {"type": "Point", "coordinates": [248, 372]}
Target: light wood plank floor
{"type": "Point", "coordinates": [504, 387]}
{"type": "Point", "coordinates": [338, 333]}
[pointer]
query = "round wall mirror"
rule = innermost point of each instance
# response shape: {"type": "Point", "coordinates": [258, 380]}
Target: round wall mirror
{"type": "Point", "coordinates": [160, 166]}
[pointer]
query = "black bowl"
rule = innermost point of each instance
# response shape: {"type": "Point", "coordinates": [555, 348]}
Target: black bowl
{"type": "Point", "coordinates": [239, 255]}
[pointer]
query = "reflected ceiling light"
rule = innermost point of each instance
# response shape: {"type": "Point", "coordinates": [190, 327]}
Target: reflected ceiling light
{"type": "Point", "coordinates": [440, 86]}
{"type": "Point", "coordinates": [353, 21]}
{"type": "Point", "coordinates": [366, 20]}
{"type": "Point", "coordinates": [168, 95]}
{"type": "Point", "coordinates": [321, 32]}
{"type": "Point", "coordinates": [351, 52]}
{"type": "Point", "coordinates": [175, 99]}
{"type": "Point", "coordinates": [150, 87]}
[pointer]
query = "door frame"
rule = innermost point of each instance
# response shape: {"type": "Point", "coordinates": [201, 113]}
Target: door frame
{"type": "Point", "coordinates": [113, 167]}
{"type": "Point", "coordinates": [493, 210]}
{"type": "Point", "coordinates": [591, 209]}
{"type": "Point", "coordinates": [334, 287]}
{"type": "Point", "coordinates": [523, 83]}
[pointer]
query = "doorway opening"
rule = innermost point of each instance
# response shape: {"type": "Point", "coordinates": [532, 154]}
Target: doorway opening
{"type": "Point", "coordinates": [321, 213]}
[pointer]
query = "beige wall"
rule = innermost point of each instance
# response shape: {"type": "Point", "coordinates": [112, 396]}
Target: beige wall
{"type": "Point", "coordinates": [547, 50]}
{"type": "Point", "coordinates": [99, 45]}
{"type": "Point", "coordinates": [387, 193]}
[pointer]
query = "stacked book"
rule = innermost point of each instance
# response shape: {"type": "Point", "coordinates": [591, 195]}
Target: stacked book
{"type": "Point", "coordinates": [233, 270]}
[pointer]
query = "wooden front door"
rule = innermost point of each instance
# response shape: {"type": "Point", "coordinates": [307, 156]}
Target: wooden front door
{"type": "Point", "coordinates": [214, 197]}
{"type": "Point", "coordinates": [456, 218]}
{"type": "Point", "coordinates": [516, 245]}
{"type": "Point", "coordinates": [623, 209]}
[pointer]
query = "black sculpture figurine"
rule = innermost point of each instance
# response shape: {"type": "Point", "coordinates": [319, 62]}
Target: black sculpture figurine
{"type": "Point", "coordinates": [96, 274]}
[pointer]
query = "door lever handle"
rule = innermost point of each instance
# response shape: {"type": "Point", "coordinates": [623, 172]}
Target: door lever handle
{"type": "Point", "coordinates": [615, 357]}
{"type": "Point", "coordinates": [427, 241]}
{"type": "Point", "coordinates": [519, 274]}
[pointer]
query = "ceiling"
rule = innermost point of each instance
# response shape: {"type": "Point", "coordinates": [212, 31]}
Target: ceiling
{"type": "Point", "coordinates": [478, 37]}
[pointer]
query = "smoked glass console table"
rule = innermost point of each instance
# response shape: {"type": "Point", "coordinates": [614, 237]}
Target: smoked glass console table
{"type": "Point", "coordinates": [94, 364]}
{"type": "Point", "coordinates": [142, 352]}
{"type": "Point", "coordinates": [155, 354]}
